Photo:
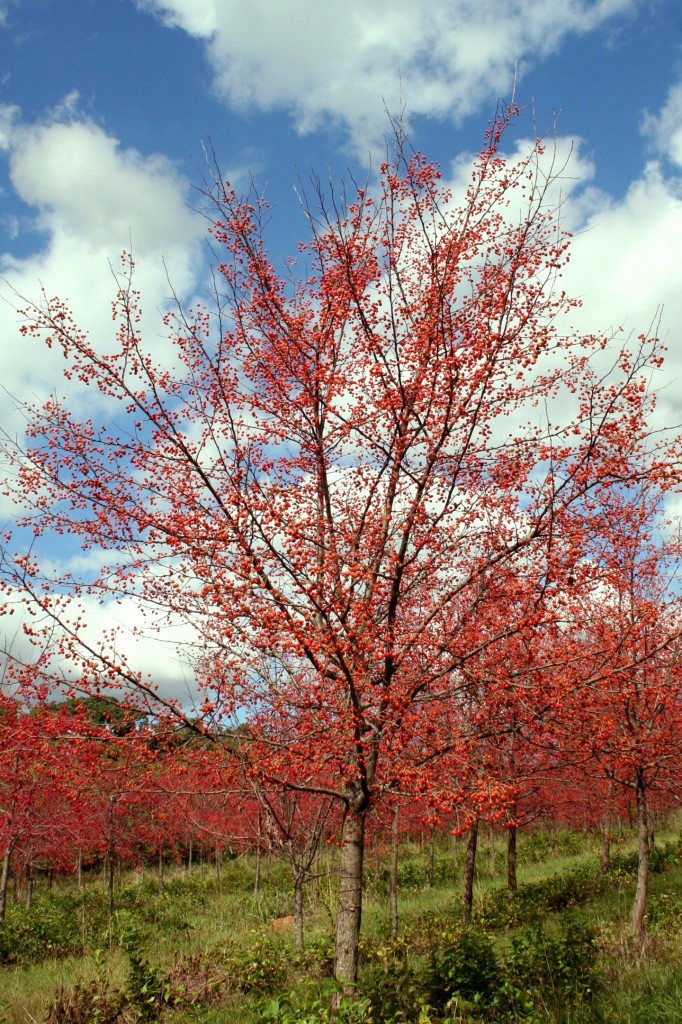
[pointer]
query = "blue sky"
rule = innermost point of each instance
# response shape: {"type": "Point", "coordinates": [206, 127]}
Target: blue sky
{"type": "Point", "coordinates": [105, 104]}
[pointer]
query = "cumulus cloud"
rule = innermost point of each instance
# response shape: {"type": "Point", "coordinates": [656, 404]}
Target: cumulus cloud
{"type": "Point", "coordinates": [88, 198]}
{"type": "Point", "coordinates": [339, 63]}
{"type": "Point", "coordinates": [664, 129]}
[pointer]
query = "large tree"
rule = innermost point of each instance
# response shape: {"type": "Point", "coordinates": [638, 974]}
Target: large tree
{"type": "Point", "coordinates": [350, 478]}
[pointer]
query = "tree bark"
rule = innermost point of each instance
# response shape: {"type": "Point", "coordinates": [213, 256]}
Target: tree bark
{"type": "Point", "coordinates": [110, 888]}
{"type": "Point", "coordinates": [349, 913]}
{"type": "Point", "coordinates": [605, 848]}
{"type": "Point", "coordinates": [432, 853]}
{"type": "Point", "coordinates": [469, 866]}
{"type": "Point", "coordinates": [639, 908]}
{"type": "Point", "coordinates": [4, 878]}
{"type": "Point", "coordinates": [30, 882]}
{"type": "Point", "coordinates": [393, 883]}
{"type": "Point", "coordinates": [298, 909]}
{"type": "Point", "coordinates": [512, 884]}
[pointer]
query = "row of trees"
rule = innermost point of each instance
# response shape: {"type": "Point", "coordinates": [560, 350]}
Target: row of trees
{"type": "Point", "coordinates": [414, 520]}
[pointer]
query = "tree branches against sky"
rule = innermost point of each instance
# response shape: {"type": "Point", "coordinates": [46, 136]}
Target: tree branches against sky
{"type": "Point", "coordinates": [105, 108]}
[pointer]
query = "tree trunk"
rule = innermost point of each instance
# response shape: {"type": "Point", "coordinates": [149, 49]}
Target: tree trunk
{"type": "Point", "coordinates": [491, 847]}
{"type": "Point", "coordinates": [30, 882]}
{"type": "Point", "coordinates": [4, 878]}
{"type": "Point", "coordinates": [160, 874]}
{"type": "Point", "coordinates": [110, 888]}
{"type": "Point", "coordinates": [317, 863]}
{"type": "Point", "coordinates": [393, 883]}
{"type": "Point", "coordinates": [189, 858]}
{"type": "Point", "coordinates": [79, 869]}
{"type": "Point", "coordinates": [432, 853]}
{"type": "Point", "coordinates": [218, 859]}
{"type": "Point", "coordinates": [511, 862]}
{"type": "Point", "coordinates": [605, 848]}
{"type": "Point", "coordinates": [639, 908]}
{"type": "Point", "coordinates": [469, 866]}
{"type": "Point", "coordinates": [298, 909]}
{"type": "Point", "coordinates": [15, 885]}
{"type": "Point", "coordinates": [349, 911]}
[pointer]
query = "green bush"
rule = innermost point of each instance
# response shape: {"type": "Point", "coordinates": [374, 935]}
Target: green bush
{"type": "Point", "coordinates": [463, 965]}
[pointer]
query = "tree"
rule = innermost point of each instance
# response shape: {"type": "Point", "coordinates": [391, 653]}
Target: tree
{"type": "Point", "coordinates": [337, 473]}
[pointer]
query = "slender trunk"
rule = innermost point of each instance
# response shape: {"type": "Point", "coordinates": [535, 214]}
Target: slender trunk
{"type": "Point", "coordinates": [453, 847]}
{"type": "Point", "coordinates": [639, 908]}
{"type": "Point", "coordinates": [119, 872]}
{"type": "Point", "coordinates": [259, 842]}
{"type": "Point", "coordinates": [15, 885]}
{"type": "Point", "coordinates": [256, 881]}
{"type": "Point", "coordinates": [469, 866]}
{"type": "Point", "coordinates": [491, 846]}
{"type": "Point", "coordinates": [349, 912]}
{"type": "Point", "coordinates": [30, 882]}
{"type": "Point", "coordinates": [316, 877]}
{"type": "Point", "coordinates": [605, 848]}
{"type": "Point", "coordinates": [4, 878]}
{"type": "Point", "coordinates": [511, 862]}
{"type": "Point", "coordinates": [160, 874]}
{"type": "Point", "coordinates": [432, 853]}
{"type": "Point", "coordinates": [110, 888]}
{"type": "Point", "coordinates": [79, 869]}
{"type": "Point", "coordinates": [189, 858]}
{"type": "Point", "coordinates": [201, 862]}
{"type": "Point", "coordinates": [218, 859]}
{"type": "Point", "coordinates": [393, 884]}
{"type": "Point", "coordinates": [299, 876]}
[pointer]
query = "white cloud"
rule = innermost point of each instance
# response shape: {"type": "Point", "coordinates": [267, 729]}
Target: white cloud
{"type": "Point", "coordinates": [339, 63]}
{"type": "Point", "coordinates": [664, 130]}
{"type": "Point", "coordinates": [90, 199]}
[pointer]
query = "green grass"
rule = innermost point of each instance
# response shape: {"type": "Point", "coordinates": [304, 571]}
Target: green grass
{"type": "Point", "coordinates": [195, 934]}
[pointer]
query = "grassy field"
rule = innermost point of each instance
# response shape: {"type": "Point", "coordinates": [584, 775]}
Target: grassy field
{"type": "Point", "coordinates": [198, 951]}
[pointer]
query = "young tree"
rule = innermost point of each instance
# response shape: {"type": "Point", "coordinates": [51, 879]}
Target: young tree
{"type": "Point", "coordinates": [331, 470]}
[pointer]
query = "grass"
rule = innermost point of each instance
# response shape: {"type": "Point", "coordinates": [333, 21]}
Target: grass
{"type": "Point", "coordinates": [196, 933]}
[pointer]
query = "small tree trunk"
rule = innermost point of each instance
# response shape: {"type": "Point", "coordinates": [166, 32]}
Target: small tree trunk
{"type": "Point", "coordinates": [4, 878]}
{"type": "Point", "coordinates": [491, 847]}
{"type": "Point", "coordinates": [605, 848]}
{"type": "Point", "coordinates": [110, 887]}
{"type": "Point", "coordinates": [317, 863]}
{"type": "Point", "coordinates": [432, 853]}
{"type": "Point", "coordinates": [218, 859]}
{"type": "Point", "coordinates": [189, 858]}
{"type": "Point", "coordinates": [30, 882]}
{"type": "Point", "coordinates": [79, 869]}
{"type": "Point", "coordinates": [511, 862]}
{"type": "Point", "coordinates": [298, 909]}
{"type": "Point", "coordinates": [15, 886]}
{"type": "Point", "coordinates": [639, 908]}
{"type": "Point", "coordinates": [393, 883]}
{"type": "Point", "coordinates": [160, 872]}
{"type": "Point", "coordinates": [201, 862]}
{"type": "Point", "coordinates": [453, 847]}
{"type": "Point", "coordinates": [469, 866]}
{"type": "Point", "coordinates": [349, 912]}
